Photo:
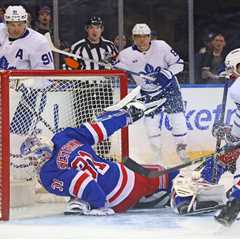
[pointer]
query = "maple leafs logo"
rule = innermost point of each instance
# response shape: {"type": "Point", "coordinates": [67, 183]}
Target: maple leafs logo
{"type": "Point", "coordinates": [4, 64]}
{"type": "Point", "coordinates": [149, 70]}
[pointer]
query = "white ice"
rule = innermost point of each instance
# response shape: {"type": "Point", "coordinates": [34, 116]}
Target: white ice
{"type": "Point", "coordinates": [136, 224]}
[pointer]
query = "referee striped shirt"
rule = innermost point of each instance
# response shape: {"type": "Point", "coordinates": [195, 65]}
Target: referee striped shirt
{"type": "Point", "coordinates": [97, 52]}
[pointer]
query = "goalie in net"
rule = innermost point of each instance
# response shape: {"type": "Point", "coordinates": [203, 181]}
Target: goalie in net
{"type": "Point", "coordinates": [96, 186]}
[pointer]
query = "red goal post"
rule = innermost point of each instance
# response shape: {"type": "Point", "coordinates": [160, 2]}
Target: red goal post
{"type": "Point", "coordinates": [26, 109]}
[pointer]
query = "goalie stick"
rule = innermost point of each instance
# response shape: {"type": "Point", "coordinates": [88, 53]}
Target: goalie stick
{"type": "Point", "coordinates": [107, 65]}
{"type": "Point", "coordinates": [204, 210]}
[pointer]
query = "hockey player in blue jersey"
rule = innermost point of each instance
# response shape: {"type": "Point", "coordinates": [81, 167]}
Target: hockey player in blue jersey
{"type": "Point", "coordinates": [96, 186]}
{"type": "Point", "coordinates": [199, 193]}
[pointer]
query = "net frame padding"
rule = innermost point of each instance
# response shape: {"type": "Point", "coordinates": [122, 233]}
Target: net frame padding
{"type": "Point", "coordinates": [7, 76]}
{"type": "Point", "coordinates": [5, 147]}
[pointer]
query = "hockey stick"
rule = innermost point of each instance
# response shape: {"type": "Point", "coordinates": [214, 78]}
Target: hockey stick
{"type": "Point", "coordinates": [107, 65]}
{"type": "Point", "coordinates": [221, 122]}
{"type": "Point", "coordinates": [136, 167]}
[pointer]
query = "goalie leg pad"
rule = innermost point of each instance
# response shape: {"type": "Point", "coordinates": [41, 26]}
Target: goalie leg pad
{"type": "Point", "coordinates": [190, 195]}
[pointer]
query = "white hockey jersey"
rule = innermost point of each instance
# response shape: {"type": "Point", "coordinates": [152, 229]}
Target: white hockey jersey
{"type": "Point", "coordinates": [160, 54]}
{"type": "Point", "coordinates": [31, 51]}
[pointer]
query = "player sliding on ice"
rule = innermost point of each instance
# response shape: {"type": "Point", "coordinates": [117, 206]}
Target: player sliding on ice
{"type": "Point", "coordinates": [197, 193]}
{"type": "Point", "coordinates": [96, 186]}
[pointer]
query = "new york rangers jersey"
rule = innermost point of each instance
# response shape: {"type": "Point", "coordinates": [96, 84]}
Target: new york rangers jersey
{"type": "Point", "coordinates": [76, 170]}
{"type": "Point", "coordinates": [30, 51]}
{"type": "Point", "coordinates": [160, 54]}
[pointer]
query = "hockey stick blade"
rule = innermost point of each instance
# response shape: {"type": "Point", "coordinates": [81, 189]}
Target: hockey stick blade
{"type": "Point", "coordinates": [204, 210]}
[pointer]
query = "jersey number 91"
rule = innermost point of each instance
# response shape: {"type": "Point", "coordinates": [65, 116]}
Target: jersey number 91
{"type": "Point", "coordinates": [47, 58]}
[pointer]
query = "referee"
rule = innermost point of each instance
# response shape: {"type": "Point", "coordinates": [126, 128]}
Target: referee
{"type": "Point", "coordinates": [93, 46]}
{"type": "Point", "coordinates": [92, 92]}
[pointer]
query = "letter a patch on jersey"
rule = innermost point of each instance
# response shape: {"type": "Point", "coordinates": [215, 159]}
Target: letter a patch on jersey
{"type": "Point", "coordinates": [19, 54]}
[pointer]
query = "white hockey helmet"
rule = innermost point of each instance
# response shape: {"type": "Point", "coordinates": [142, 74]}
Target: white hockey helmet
{"type": "Point", "coordinates": [141, 29]}
{"type": "Point", "coordinates": [232, 61]}
{"type": "Point", "coordinates": [15, 14]}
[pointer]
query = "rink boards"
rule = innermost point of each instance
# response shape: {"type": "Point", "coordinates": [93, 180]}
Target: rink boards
{"type": "Point", "coordinates": [203, 107]}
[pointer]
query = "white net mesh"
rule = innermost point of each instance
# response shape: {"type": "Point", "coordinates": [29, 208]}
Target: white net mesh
{"type": "Point", "coordinates": [43, 106]}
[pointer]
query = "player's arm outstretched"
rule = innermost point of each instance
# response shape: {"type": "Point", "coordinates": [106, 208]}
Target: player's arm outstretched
{"type": "Point", "coordinates": [112, 119]}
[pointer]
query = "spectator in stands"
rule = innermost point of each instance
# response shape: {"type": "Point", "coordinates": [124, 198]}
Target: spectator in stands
{"type": "Point", "coordinates": [44, 22]}
{"type": "Point", "coordinates": [29, 20]}
{"type": "Point", "coordinates": [2, 11]}
{"type": "Point", "coordinates": [154, 35]}
{"type": "Point", "coordinates": [120, 42]}
{"type": "Point", "coordinates": [212, 61]}
{"type": "Point", "coordinates": [207, 40]}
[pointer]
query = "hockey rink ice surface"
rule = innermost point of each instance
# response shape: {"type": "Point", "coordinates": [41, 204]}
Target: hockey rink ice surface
{"type": "Point", "coordinates": [136, 224]}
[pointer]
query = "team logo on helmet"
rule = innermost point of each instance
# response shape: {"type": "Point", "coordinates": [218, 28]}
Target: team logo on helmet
{"type": "Point", "coordinates": [141, 29]}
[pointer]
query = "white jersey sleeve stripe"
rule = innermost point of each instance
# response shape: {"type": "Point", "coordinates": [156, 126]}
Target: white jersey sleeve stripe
{"type": "Point", "coordinates": [79, 183]}
{"type": "Point", "coordinates": [92, 131]}
{"type": "Point", "coordinates": [97, 130]}
{"type": "Point", "coordinates": [123, 188]}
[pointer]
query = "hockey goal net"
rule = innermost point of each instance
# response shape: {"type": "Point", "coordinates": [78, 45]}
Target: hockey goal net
{"type": "Point", "coordinates": [44, 102]}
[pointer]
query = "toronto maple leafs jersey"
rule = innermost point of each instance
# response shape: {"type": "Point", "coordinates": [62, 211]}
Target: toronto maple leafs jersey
{"type": "Point", "coordinates": [30, 51]}
{"type": "Point", "coordinates": [160, 54]}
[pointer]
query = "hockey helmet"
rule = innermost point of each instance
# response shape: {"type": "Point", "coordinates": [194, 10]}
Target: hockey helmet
{"type": "Point", "coordinates": [94, 21]}
{"type": "Point", "coordinates": [15, 14]}
{"type": "Point", "coordinates": [232, 61]}
{"type": "Point", "coordinates": [141, 29]}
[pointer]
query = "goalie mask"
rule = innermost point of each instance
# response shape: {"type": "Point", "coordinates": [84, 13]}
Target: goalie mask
{"type": "Point", "coordinates": [36, 150]}
{"type": "Point", "coordinates": [232, 62]}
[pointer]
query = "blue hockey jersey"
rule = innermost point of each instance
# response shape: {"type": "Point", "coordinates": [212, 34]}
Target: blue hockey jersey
{"type": "Point", "coordinates": [76, 170]}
